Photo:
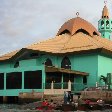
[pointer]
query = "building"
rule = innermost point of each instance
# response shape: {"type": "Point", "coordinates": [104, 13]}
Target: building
{"type": "Point", "coordinates": [77, 53]}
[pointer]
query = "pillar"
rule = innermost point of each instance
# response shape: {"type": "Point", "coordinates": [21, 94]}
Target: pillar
{"type": "Point", "coordinates": [43, 79]}
{"type": "Point", "coordinates": [52, 85]}
{"type": "Point", "coordinates": [69, 85]}
{"type": "Point", "coordinates": [22, 79]}
{"type": "Point", "coordinates": [62, 81]}
{"type": "Point", "coordinates": [4, 81]}
{"type": "Point", "coordinates": [96, 84]}
{"type": "Point", "coordinates": [5, 99]}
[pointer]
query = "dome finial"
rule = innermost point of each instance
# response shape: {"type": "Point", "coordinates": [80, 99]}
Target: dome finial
{"type": "Point", "coordinates": [105, 2]}
{"type": "Point", "coordinates": [77, 14]}
{"type": "Point", "coordinates": [105, 12]}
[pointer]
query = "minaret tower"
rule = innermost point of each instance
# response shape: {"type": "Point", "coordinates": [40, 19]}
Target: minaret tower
{"type": "Point", "coordinates": [105, 24]}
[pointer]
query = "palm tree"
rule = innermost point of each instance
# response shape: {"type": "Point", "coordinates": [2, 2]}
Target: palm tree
{"type": "Point", "coordinates": [104, 79]}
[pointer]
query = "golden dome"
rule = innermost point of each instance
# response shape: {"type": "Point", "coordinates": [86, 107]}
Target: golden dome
{"type": "Point", "coordinates": [76, 25]}
{"type": "Point", "coordinates": [105, 13]}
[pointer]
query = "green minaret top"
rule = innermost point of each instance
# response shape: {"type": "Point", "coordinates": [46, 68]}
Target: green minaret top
{"type": "Point", "coordinates": [105, 24]}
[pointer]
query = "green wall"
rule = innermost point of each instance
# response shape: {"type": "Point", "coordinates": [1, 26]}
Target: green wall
{"type": "Point", "coordinates": [104, 66]}
{"type": "Point", "coordinates": [93, 64]}
{"type": "Point", "coordinates": [15, 92]}
{"type": "Point", "coordinates": [86, 63]}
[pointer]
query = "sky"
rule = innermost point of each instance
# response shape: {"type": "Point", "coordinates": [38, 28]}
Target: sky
{"type": "Point", "coordinates": [24, 22]}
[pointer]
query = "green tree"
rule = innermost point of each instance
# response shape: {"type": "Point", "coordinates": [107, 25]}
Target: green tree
{"type": "Point", "coordinates": [104, 79]}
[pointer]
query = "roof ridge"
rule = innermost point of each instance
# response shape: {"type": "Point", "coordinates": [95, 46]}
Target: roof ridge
{"type": "Point", "coordinates": [65, 43]}
{"type": "Point", "coordinates": [103, 43]}
{"type": "Point", "coordinates": [92, 38]}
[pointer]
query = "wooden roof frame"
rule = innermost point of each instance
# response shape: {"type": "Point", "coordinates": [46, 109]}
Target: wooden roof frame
{"type": "Point", "coordinates": [63, 70]}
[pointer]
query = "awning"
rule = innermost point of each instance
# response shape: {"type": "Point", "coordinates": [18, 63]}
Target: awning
{"type": "Point", "coordinates": [63, 70]}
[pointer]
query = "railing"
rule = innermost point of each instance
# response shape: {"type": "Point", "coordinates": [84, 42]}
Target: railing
{"type": "Point", "coordinates": [57, 88]}
{"type": "Point", "coordinates": [73, 87]}
{"type": "Point", "coordinates": [56, 85]}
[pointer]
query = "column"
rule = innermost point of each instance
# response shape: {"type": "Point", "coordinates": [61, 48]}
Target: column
{"type": "Point", "coordinates": [5, 97]}
{"type": "Point", "coordinates": [5, 81]}
{"type": "Point", "coordinates": [69, 85]}
{"type": "Point", "coordinates": [62, 81]}
{"type": "Point", "coordinates": [22, 79]}
{"type": "Point", "coordinates": [43, 79]}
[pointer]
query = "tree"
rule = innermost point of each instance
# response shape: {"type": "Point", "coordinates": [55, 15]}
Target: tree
{"type": "Point", "coordinates": [104, 79]}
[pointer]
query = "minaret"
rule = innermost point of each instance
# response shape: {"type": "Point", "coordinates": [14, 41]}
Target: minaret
{"type": "Point", "coordinates": [105, 24]}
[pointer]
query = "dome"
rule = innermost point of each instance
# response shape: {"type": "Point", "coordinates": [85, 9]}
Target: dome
{"type": "Point", "coordinates": [76, 25]}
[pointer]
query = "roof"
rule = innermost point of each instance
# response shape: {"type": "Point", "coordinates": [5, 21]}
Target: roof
{"type": "Point", "coordinates": [105, 12]}
{"type": "Point", "coordinates": [69, 42]}
{"type": "Point", "coordinates": [74, 24]}
{"type": "Point", "coordinates": [8, 55]}
{"type": "Point", "coordinates": [66, 43]}
{"type": "Point", "coordinates": [63, 70]}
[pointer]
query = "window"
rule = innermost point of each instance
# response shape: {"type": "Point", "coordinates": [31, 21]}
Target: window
{"type": "Point", "coordinates": [84, 80]}
{"type": "Point", "coordinates": [33, 79]}
{"type": "Point", "coordinates": [94, 33]}
{"type": "Point", "coordinates": [48, 62]}
{"type": "Point", "coordinates": [66, 63]}
{"type": "Point", "coordinates": [102, 24]}
{"type": "Point", "coordinates": [14, 80]}
{"type": "Point", "coordinates": [65, 31]}
{"type": "Point", "coordinates": [83, 31]}
{"type": "Point", "coordinates": [34, 55]}
{"type": "Point", "coordinates": [107, 24]}
{"type": "Point", "coordinates": [16, 65]}
{"type": "Point", "coordinates": [1, 80]}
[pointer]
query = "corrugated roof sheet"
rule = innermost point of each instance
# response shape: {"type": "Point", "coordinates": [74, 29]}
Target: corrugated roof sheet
{"type": "Point", "coordinates": [8, 55]}
{"type": "Point", "coordinates": [63, 70]}
{"type": "Point", "coordinates": [67, 43]}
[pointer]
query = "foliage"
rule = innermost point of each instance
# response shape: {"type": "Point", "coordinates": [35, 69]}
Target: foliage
{"type": "Point", "coordinates": [104, 79]}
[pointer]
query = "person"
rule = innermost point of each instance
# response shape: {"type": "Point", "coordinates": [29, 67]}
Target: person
{"type": "Point", "coordinates": [65, 97]}
{"type": "Point", "coordinates": [87, 101]}
{"type": "Point", "coordinates": [45, 103]}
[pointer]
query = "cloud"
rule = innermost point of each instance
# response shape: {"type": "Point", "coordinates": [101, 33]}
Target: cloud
{"type": "Point", "coordinates": [23, 22]}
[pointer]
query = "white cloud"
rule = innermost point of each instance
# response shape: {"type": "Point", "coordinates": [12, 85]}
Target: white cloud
{"type": "Point", "coordinates": [25, 21]}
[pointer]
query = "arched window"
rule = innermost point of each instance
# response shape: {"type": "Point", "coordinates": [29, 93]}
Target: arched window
{"type": "Point", "coordinates": [16, 65]}
{"type": "Point", "coordinates": [94, 33]}
{"type": "Point", "coordinates": [65, 31]}
{"type": "Point", "coordinates": [48, 62]}
{"type": "Point", "coordinates": [102, 24]}
{"type": "Point", "coordinates": [83, 31]}
{"type": "Point", "coordinates": [84, 80]}
{"type": "Point", "coordinates": [107, 24]}
{"type": "Point", "coordinates": [66, 63]}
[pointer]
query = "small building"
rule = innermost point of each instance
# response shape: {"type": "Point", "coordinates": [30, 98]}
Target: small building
{"type": "Point", "coordinates": [78, 53]}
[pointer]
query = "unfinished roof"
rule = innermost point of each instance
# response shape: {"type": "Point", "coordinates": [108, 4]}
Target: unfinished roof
{"type": "Point", "coordinates": [77, 24]}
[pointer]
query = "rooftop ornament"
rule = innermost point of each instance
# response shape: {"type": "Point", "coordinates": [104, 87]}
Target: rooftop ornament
{"type": "Point", "coordinates": [105, 2]}
{"type": "Point", "coordinates": [77, 14]}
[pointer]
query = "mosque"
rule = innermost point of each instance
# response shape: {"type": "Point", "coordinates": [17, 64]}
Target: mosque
{"type": "Point", "coordinates": [78, 53]}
